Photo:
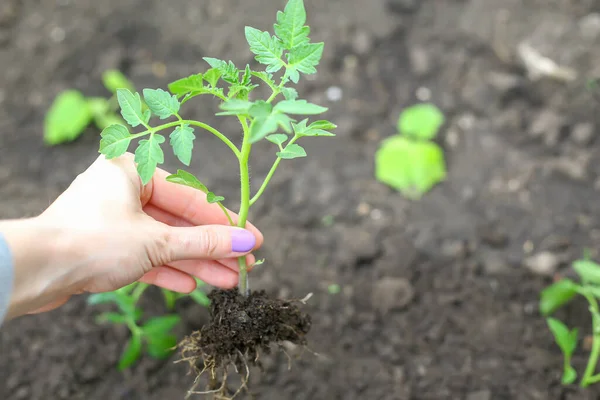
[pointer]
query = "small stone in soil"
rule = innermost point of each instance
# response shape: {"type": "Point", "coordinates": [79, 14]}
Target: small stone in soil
{"type": "Point", "coordinates": [392, 293]}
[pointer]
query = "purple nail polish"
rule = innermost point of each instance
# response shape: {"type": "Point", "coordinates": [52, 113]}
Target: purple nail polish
{"type": "Point", "coordinates": [242, 241]}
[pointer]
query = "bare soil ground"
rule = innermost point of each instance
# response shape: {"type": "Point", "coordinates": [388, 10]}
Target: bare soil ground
{"type": "Point", "coordinates": [439, 297]}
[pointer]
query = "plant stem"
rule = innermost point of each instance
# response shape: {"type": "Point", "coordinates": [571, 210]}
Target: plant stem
{"type": "Point", "coordinates": [244, 203]}
{"type": "Point", "coordinates": [269, 175]}
{"type": "Point", "coordinates": [138, 291]}
{"type": "Point", "coordinates": [595, 352]}
{"type": "Point", "coordinates": [202, 125]}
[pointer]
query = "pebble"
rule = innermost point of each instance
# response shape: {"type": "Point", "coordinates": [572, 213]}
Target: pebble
{"type": "Point", "coordinates": [546, 123]}
{"type": "Point", "coordinates": [589, 26]}
{"type": "Point", "coordinates": [583, 133]}
{"type": "Point", "coordinates": [334, 93]}
{"type": "Point", "coordinates": [392, 293]}
{"type": "Point", "coordinates": [544, 263]}
{"type": "Point", "coordinates": [480, 395]}
{"type": "Point", "coordinates": [494, 264]}
{"type": "Point", "coordinates": [362, 43]}
{"type": "Point", "coordinates": [420, 61]}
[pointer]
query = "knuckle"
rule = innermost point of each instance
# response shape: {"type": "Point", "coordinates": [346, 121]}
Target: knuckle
{"type": "Point", "coordinates": [210, 242]}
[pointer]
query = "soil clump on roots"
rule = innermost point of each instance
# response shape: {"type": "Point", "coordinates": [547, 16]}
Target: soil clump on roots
{"type": "Point", "coordinates": [239, 331]}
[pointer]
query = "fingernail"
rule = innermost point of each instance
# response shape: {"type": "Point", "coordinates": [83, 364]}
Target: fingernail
{"type": "Point", "coordinates": [242, 241]}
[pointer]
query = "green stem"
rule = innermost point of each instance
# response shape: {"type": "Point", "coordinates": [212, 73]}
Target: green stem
{"type": "Point", "coordinates": [202, 125]}
{"type": "Point", "coordinates": [244, 203]}
{"type": "Point", "coordinates": [595, 352]}
{"type": "Point", "coordinates": [138, 291]}
{"type": "Point", "coordinates": [226, 213]}
{"type": "Point", "coordinates": [269, 175]}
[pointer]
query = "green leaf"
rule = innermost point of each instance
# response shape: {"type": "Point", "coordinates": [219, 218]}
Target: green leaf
{"type": "Point", "coordinates": [264, 125]}
{"type": "Point", "coordinates": [185, 178]}
{"type": "Point", "coordinates": [228, 70]}
{"type": "Point", "coordinates": [148, 155]}
{"type": "Point", "coordinates": [569, 375]}
{"type": "Point", "coordinates": [268, 49]}
{"type": "Point", "coordinates": [160, 325]}
{"type": "Point", "coordinates": [113, 79]}
{"type": "Point", "coordinates": [161, 347]}
{"type": "Point", "coordinates": [567, 342]}
{"type": "Point", "coordinates": [192, 83]}
{"type": "Point", "coordinates": [292, 151]}
{"type": "Point", "coordinates": [299, 107]}
{"type": "Point", "coordinates": [421, 121]}
{"type": "Point", "coordinates": [557, 295]}
{"type": "Point", "coordinates": [265, 77]}
{"type": "Point", "coordinates": [289, 93]}
{"type": "Point", "coordinates": [161, 103]}
{"type": "Point", "coordinates": [131, 108]}
{"type": "Point", "coordinates": [235, 107]}
{"type": "Point", "coordinates": [277, 139]}
{"type": "Point", "coordinates": [304, 58]}
{"type": "Point", "coordinates": [317, 128]}
{"type": "Point", "coordinates": [114, 141]}
{"type": "Point", "coordinates": [212, 76]}
{"type": "Point", "coordinates": [112, 317]}
{"type": "Point", "coordinates": [101, 298]}
{"type": "Point", "coordinates": [290, 27]}
{"type": "Point", "coordinates": [412, 168]}
{"type": "Point", "coordinates": [213, 198]}
{"type": "Point", "coordinates": [132, 352]}
{"type": "Point", "coordinates": [588, 270]}
{"type": "Point", "coordinates": [200, 297]}
{"type": "Point", "coordinates": [98, 106]}
{"type": "Point", "coordinates": [67, 118]}
{"type": "Point", "coordinates": [182, 141]}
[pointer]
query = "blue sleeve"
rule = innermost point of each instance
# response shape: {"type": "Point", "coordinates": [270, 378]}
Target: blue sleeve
{"type": "Point", "coordinates": [6, 277]}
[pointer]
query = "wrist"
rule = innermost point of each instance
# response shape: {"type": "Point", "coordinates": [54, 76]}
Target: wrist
{"type": "Point", "coordinates": [40, 262]}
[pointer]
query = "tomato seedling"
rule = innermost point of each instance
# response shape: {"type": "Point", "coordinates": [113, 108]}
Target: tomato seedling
{"type": "Point", "coordinates": [562, 292]}
{"type": "Point", "coordinates": [410, 161]}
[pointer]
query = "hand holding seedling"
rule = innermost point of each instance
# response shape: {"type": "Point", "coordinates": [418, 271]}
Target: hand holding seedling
{"type": "Point", "coordinates": [108, 230]}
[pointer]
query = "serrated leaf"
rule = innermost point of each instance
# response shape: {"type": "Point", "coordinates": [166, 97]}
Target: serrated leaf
{"type": "Point", "coordinates": [212, 76]}
{"type": "Point", "coordinates": [265, 77]}
{"type": "Point", "coordinates": [192, 83]}
{"type": "Point", "coordinates": [131, 108]}
{"type": "Point", "coordinates": [304, 58]}
{"type": "Point", "coordinates": [277, 139]}
{"type": "Point", "coordinates": [132, 352]}
{"type": "Point", "coordinates": [292, 151]}
{"type": "Point", "coordinates": [317, 128]}
{"type": "Point", "coordinates": [213, 198]}
{"type": "Point", "coordinates": [229, 71]}
{"type": "Point", "coordinates": [290, 27]}
{"type": "Point", "coordinates": [289, 93]}
{"type": "Point", "coordinates": [148, 155]}
{"type": "Point", "coordinates": [247, 77]}
{"type": "Point", "coordinates": [161, 347]}
{"type": "Point", "coordinates": [588, 271]}
{"type": "Point", "coordinates": [160, 325]}
{"type": "Point", "coordinates": [268, 49]}
{"type": "Point", "coordinates": [557, 295]}
{"type": "Point", "coordinates": [161, 103]}
{"type": "Point", "coordinates": [421, 121]}
{"type": "Point", "coordinates": [114, 79]}
{"type": "Point", "coordinates": [235, 107]}
{"type": "Point", "coordinates": [114, 141]}
{"type": "Point", "coordinates": [266, 124]}
{"type": "Point", "coordinates": [185, 178]}
{"type": "Point", "coordinates": [410, 167]}
{"type": "Point", "coordinates": [182, 141]}
{"type": "Point", "coordinates": [300, 107]}
{"type": "Point", "coordinates": [67, 118]}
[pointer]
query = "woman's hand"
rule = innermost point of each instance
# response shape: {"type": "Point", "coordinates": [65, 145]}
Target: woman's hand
{"type": "Point", "coordinates": [107, 230]}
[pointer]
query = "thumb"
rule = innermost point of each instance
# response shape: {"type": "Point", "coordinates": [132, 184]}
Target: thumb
{"type": "Point", "coordinates": [209, 242]}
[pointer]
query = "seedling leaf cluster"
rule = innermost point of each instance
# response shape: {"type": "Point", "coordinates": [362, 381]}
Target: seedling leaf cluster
{"type": "Point", "coordinates": [410, 161]}
{"type": "Point", "coordinates": [558, 295]}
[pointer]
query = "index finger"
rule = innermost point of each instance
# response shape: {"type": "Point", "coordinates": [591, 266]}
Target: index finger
{"type": "Point", "coordinates": [190, 204]}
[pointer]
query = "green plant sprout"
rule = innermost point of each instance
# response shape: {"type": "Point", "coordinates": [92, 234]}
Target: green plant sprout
{"type": "Point", "coordinates": [289, 52]}
{"type": "Point", "coordinates": [562, 292]}
{"type": "Point", "coordinates": [155, 333]}
{"type": "Point", "coordinates": [410, 161]}
{"type": "Point", "coordinates": [71, 112]}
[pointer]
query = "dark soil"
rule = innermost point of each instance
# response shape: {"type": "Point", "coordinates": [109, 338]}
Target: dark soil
{"type": "Point", "coordinates": [239, 330]}
{"type": "Point", "coordinates": [438, 297]}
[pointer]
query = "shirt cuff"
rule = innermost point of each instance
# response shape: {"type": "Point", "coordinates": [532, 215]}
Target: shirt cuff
{"type": "Point", "coordinates": [6, 277]}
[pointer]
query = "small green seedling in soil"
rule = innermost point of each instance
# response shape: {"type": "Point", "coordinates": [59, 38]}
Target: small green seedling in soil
{"type": "Point", "coordinates": [562, 292]}
{"type": "Point", "coordinates": [243, 323]}
{"type": "Point", "coordinates": [71, 112]}
{"type": "Point", "coordinates": [410, 161]}
{"type": "Point", "coordinates": [334, 288]}
{"type": "Point", "coordinates": [155, 334]}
